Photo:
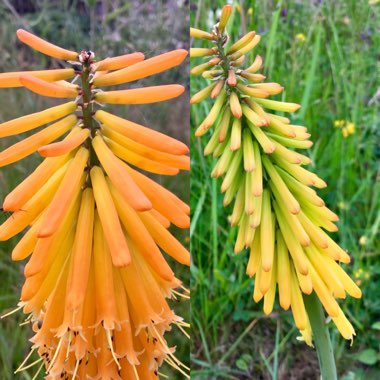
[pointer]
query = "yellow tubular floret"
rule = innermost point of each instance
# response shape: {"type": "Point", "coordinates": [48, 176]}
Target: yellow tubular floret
{"type": "Point", "coordinates": [109, 218]}
{"type": "Point", "coordinates": [266, 233]}
{"type": "Point", "coordinates": [12, 79]}
{"type": "Point", "coordinates": [142, 135]}
{"type": "Point", "coordinates": [69, 186]}
{"type": "Point", "coordinates": [34, 120]}
{"type": "Point", "coordinates": [143, 69]}
{"type": "Point", "coordinates": [45, 47]}
{"type": "Point", "coordinates": [297, 304]}
{"type": "Point", "coordinates": [197, 33]}
{"type": "Point", "coordinates": [81, 253]}
{"type": "Point", "coordinates": [65, 146]}
{"type": "Point", "coordinates": [44, 88]}
{"type": "Point", "coordinates": [283, 272]}
{"type": "Point", "coordinates": [117, 63]}
{"type": "Point", "coordinates": [141, 95]}
{"type": "Point", "coordinates": [27, 188]}
{"type": "Point", "coordinates": [140, 236]}
{"type": "Point", "coordinates": [242, 42]}
{"type": "Point", "coordinates": [31, 144]}
{"type": "Point", "coordinates": [123, 182]}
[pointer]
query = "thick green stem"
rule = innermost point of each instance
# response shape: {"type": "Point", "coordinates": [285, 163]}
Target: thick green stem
{"type": "Point", "coordinates": [321, 337]}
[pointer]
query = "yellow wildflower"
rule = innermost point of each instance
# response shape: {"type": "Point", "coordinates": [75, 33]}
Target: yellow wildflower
{"type": "Point", "coordinates": [300, 37]}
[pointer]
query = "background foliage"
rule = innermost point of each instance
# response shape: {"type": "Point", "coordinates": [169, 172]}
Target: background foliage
{"type": "Point", "coordinates": [109, 28]}
{"type": "Point", "coordinates": [326, 54]}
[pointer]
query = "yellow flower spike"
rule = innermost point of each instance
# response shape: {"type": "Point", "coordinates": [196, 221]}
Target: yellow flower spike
{"type": "Point", "coordinates": [45, 47]}
{"type": "Point", "coordinates": [143, 69]}
{"type": "Point", "coordinates": [224, 17]}
{"type": "Point", "coordinates": [65, 146]}
{"type": "Point", "coordinates": [213, 114]}
{"type": "Point", "coordinates": [141, 237]}
{"type": "Point", "coordinates": [235, 106]}
{"type": "Point", "coordinates": [34, 120]}
{"type": "Point", "coordinates": [242, 42]}
{"type": "Point", "coordinates": [201, 52]}
{"type": "Point", "coordinates": [32, 208]}
{"type": "Point", "coordinates": [119, 176]}
{"type": "Point", "coordinates": [81, 253]}
{"type": "Point", "coordinates": [13, 79]}
{"type": "Point", "coordinates": [235, 135]}
{"type": "Point", "coordinates": [141, 95]}
{"type": "Point", "coordinates": [197, 33]}
{"type": "Point", "coordinates": [29, 145]}
{"type": "Point", "coordinates": [266, 233]}
{"type": "Point", "coordinates": [202, 94]}
{"type": "Point", "coordinates": [256, 65]}
{"type": "Point", "coordinates": [177, 161]}
{"type": "Point", "coordinates": [142, 135]}
{"type": "Point", "coordinates": [70, 184]}
{"type": "Point", "coordinates": [120, 62]}
{"type": "Point", "coordinates": [164, 238]}
{"type": "Point", "coordinates": [109, 219]}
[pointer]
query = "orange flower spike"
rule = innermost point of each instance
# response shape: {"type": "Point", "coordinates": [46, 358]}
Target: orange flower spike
{"type": "Point", "coordinates": [81, 254]}
{"type": "Point", "coordinates": [142, 135]}
{"type": "Point", "coordinates": [180, 162]}
{"type": "Point", "coordinates": [69, 186]}
{"type": "Point", "coordinates": [13, 79]}
{"type": "Point", "coordinates": [141, 237]}
{"type": "Point", "coordinates": [109, 219]}
{"type": "Point", "coordinates": [21, 218]}
{"type": "Point", "coordinates": [119, 176]}
{"type": "Point", "coordinates": [65, 146]}
{"type": "Point", "coordinates": [106, 308]}
{"type": "Point", "coordinates": [165, 239]}
{"type": "Point", "coordinates": [143, 95]}
{"type": "Point", "coordinates": [45, 47]}
{"type": "Point", "coordinates": [120, 62]}
{"type": "Point", "coordinates": [139, 160]}
{"type": "Point", "coordinates": [29, 145]}
{"type": "Point", "coordinates": [143, 69]}
{"type": "Point", "coordinates": [34, 120]}
{"type": "Point", "coordinates": [44, 88]}
{"type": "Point", "coordinates": [27, 188]}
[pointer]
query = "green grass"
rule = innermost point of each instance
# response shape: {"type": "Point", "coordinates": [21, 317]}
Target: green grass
{"type": "Point", "coordinates": [333, 74]}
{"type": "Point", "coordinates": [110, 30]}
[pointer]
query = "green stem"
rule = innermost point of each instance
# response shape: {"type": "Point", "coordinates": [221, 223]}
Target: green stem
{"type": "Point", "coordinates": [321, 337]}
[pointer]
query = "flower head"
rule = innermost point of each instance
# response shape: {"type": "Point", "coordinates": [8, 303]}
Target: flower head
{"type": "Point", "coordinates": [279, 217]}
{"type": "Point", "coordinates": [97, 282]}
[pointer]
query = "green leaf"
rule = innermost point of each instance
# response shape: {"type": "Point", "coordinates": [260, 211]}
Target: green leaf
{"type": "Point", "coordinates": [242, 364]}
{"type": "Point", "coordinates": [376, 325]}
{"type": "Point", "coordinates": [368, 356]}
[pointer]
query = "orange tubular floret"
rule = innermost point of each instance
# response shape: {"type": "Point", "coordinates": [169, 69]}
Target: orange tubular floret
{"type": "Point", "coordinates": [32, 143]}
{"type": "Point", "coordinates": [44, 88]}
{"type": "Point", "coordinates": [144, 95]}
{"type": "Point", "coordinates": [165, 239]}
{"type": "Point", "coordinates": [143, 69]}
{"type": "Point", "coordinates": [109, 219]}
{"type": "Point", "coordinates": [13, 79]}
{"type": "Point", "coordinates": [141, 237]}
{"type": "Point", "coordinates": [116, 63]}
{"type": "Point", "coordinates": [66, 145]}
{"type": "Point", "coordinates": [180, 162]}
{"type": "Point", "coordinates": [162, 200]}
{"type": "Point", "coordinates": [142, 135]}
{"type": "Point", "coordinates": [66, 191]}
{"type": "Point", "coordinates": [113, 166]}
{"type": "Point", "coordinates": [34, 120]}
{"type": "Point", "coordinates": [45, 47]}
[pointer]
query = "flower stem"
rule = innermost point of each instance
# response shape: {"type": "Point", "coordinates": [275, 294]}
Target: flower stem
{"type": "Point", "coordinates": [321, 337]}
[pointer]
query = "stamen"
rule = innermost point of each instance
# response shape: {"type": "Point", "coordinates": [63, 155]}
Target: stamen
{"type": "Point", "coordinates": [30, 365]}
{"type": "Point", "coordinates": [180, 294]}
{"type": "Point", "coordinates": [108, 334]}
{"type": "Point", "coordinates": [11, 312]}
{"type": "Point", "coordinates": [76, 369]}
{"type": "Point", "coordinates": [55, 355]}
{"type": "Point", "coordinates": [25, 360]}
{"type": "Point", "coordinates": [135, 372]}
{"type": "Point", "coordinates": [38, 372]}
{"type": "Point", "coordinates": [182, 330]}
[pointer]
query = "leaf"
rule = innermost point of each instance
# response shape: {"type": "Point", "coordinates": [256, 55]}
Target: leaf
{"type": "Point", "coordinates": [376, 325]}
{"type": "Point", "coordinates": [242, 364]}
{"type": "Point", "coordinates": [368, 356]}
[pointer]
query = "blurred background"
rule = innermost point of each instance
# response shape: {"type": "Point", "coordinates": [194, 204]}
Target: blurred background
{"type": "Point", "coordinates": [109, 28]}
{"type": "Point", "coordinates": [326, 54]}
